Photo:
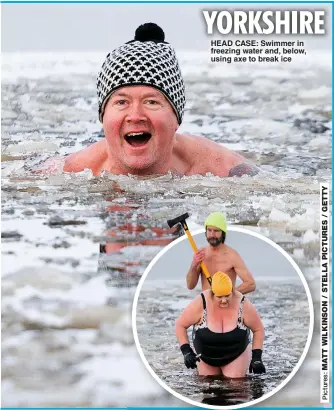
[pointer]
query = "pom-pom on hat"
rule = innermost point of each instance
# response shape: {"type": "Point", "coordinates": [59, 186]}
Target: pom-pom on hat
{"type": "Point", "coordinates": [221, 284]}
{"type": "Point", "coordinates": [146, 60]}
{"type": "Point", "coordinates": [150, 32]}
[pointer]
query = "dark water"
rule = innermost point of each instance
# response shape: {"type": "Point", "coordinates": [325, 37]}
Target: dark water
{"type": "Point", "coordinates": [229, 392]}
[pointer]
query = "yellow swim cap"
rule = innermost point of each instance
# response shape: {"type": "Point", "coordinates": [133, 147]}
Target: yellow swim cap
{"type": "Point", "coordinates": [221, 284]}
{"type": "Point", "coordinates": [218, 220]}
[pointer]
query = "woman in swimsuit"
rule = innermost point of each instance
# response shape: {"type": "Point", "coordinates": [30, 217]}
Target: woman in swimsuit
{"type": "Point", "coordinates": [222, 319]}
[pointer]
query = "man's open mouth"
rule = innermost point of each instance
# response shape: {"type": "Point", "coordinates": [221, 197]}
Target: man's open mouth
{"type": "Point", "coordinates": [138, 139]}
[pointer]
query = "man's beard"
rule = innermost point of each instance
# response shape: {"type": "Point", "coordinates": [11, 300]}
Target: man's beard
{"type": "Point", "coordinates": [215, 241]}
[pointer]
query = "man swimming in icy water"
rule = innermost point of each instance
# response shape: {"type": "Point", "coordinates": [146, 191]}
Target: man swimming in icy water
{"type": "Point", "coordinates": [141, 97]}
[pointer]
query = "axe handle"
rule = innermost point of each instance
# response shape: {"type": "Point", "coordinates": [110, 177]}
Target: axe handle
{"type": "Point", "coordinates": [195, 249]}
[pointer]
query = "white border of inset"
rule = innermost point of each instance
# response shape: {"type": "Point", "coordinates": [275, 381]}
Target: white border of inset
{"type": "Point", "coordinates": [265, 396]}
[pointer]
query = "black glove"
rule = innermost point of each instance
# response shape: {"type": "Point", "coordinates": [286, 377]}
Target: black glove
{"type": "Point", "coordinates": [256, 366]}
{"type": "Point", "coordinates": [190, 358]}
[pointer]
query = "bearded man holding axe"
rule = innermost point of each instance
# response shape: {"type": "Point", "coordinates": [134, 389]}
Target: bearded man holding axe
{"type": "Point", "coordinates": [217, 256]}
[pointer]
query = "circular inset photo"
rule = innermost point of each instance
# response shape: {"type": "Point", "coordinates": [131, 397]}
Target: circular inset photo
{"type": "Point", "coordinates": [222, 318]}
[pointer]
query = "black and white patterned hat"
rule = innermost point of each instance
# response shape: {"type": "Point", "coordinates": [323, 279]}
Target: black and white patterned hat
{"type": "Point", "coordinates": [146, 60]}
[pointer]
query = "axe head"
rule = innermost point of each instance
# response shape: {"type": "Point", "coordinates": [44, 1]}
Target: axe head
{"type": "Point", "coordinates": [178, 219]}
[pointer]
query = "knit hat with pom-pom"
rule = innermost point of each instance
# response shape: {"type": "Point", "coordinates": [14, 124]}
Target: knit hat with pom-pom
{"type": "Point", "coordinates": [146, 60]}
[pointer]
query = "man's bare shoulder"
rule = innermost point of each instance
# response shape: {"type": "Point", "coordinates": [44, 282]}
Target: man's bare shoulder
{"type": "Point", "coordinates": [92, 157]}
{"type": "Point", "coordinates": [205, 156]}
{"type": "Point", "coordinates": [229, 252]}
{"type": "Point", "coordinates": [234, 256]}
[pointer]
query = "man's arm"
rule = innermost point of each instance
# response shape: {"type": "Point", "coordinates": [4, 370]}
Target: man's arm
{"type": "Point", "coordinates": [195, 269]}
{"type": "Point", "coordinates": [92, 157]}
{"type": "Point", "coordinates": [193, 276]}
{"type": "Point", "coordinates": [206, 156]}
{"type": "Point", "coordinates": [243, 169]}
{"type": "Point", "coordinates": [241, 270]}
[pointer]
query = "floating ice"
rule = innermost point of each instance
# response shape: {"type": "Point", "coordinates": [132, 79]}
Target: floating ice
{"type": "Point", "coordinates": [310, 236]}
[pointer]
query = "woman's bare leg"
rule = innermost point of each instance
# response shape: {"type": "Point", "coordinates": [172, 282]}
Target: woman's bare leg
{"type": "Point", "coordinates": [207, 370]}
{"type": "Point", "coordinates": [239, 367]}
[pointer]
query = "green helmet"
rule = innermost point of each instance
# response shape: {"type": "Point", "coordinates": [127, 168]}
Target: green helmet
{"type": "Point", "coordinates": [218, 220]}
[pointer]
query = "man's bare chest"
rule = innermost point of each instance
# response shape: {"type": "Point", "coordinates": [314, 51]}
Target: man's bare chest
{"type": "Point", "coordinates": [220, 262]}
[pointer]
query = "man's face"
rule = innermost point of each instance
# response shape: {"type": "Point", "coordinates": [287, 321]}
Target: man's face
{"type": "Point", "coordinates": [214, 236]}
{"type": "Point", "coordinates": [139, 125]}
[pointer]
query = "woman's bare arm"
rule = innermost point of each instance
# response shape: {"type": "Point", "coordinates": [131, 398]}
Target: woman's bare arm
{"type": "Point", "coordinates": [253, 321]}
{"type": "Point", "coordinates": [190, 316]}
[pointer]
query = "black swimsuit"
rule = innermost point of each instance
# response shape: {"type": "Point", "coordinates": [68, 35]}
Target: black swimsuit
{"type": "Point", "coordinates": [220, 349]}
